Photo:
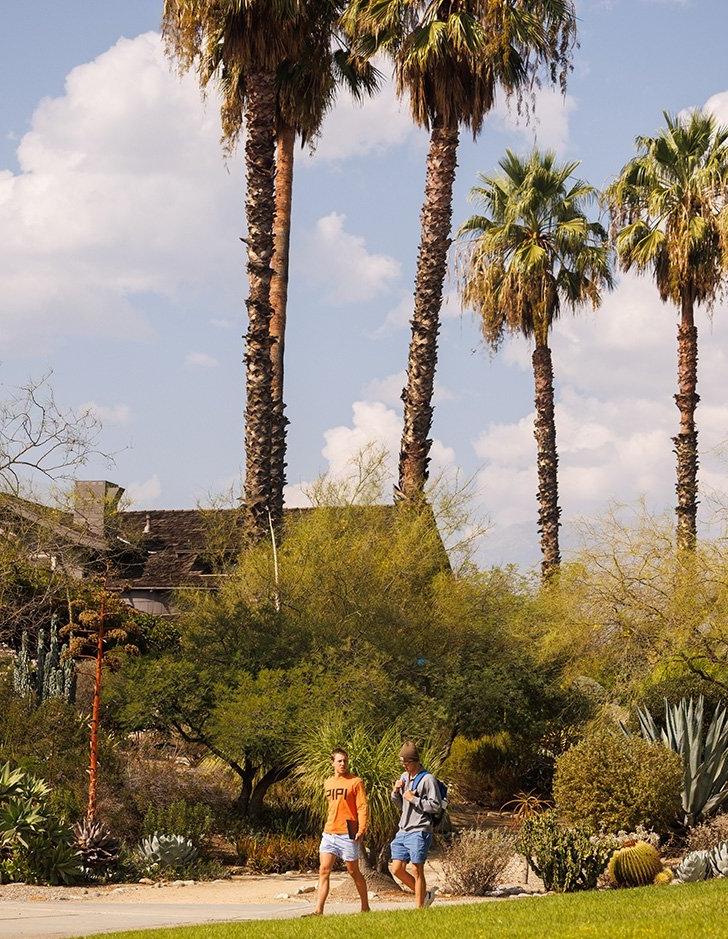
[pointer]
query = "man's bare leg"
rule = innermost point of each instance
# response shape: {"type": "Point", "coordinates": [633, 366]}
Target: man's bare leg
{"type": "Point", "coordinates": [420, 885]}
{"type": "Point", "coordinates": [360, 883]}
{"type": "Point", "coordinates": [326, 864]}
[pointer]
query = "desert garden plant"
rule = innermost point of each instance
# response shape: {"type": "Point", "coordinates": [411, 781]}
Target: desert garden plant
{"type": "Point", "coordinates": [475, 860]}
{"type": "Point", "coordinates": [704, 754]}
{"type": "Point", "coordinates": [566, 859]}
{"type": "Point", "coordinates": [167, 852]}
{"type": "Point", "coordinates": [635, 865]}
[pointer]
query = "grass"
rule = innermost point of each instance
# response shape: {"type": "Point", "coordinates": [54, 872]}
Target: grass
{"type": "Point", "coordinates": [674, 912]}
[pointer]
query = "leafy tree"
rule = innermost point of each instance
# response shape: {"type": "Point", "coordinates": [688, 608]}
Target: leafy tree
{"type": "Point", "coordinates": [450, 57]}
{"type": "Point", "coordinates": [671, 218]}
{"type": "Point", "coordinates": [534, 251]}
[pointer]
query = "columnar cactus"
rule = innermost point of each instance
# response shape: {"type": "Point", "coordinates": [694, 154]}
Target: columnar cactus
{"type": "Point", "coordinates": [635, 865]}
{"type": "Point", "coordinates": [51, 676]}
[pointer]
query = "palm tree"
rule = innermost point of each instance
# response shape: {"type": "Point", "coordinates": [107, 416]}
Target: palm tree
{"type": "Point", "coordinates": [533, 251]}
{"type": "Point", "coordinates": [450, 57]}
{"type": "Point", "coordinates": [670, 216]}
{"type": "Point", "coordinates": [244, 42]}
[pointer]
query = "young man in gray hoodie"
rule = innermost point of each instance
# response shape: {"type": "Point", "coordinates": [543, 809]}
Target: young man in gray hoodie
{"type": "Point", "coordinates": [417, 796]}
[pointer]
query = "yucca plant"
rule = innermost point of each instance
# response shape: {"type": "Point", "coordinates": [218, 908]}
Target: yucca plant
{"type": "Point", "coordinates": [373, 756]}
{"type": "Point", "coordinates": [704, 755]}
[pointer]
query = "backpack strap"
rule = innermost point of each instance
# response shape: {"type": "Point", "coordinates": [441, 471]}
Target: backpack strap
{"type": "Point", "coordinates": [418, 779]}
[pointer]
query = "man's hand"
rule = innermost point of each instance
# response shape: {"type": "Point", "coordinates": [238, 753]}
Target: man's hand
{"type": "Point", "coordinates": [399, 785]}
{"type": "Point", "coordinates": [360, 836]}
{"type": "Point", "coordinates": [409, 795]}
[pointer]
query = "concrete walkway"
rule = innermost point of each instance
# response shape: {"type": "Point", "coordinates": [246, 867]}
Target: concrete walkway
{"type": "Point", "coordinates": [54, 920]}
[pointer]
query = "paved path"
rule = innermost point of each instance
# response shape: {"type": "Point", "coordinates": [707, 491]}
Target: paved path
{"type": "Point", "coordinates": [54, 920]}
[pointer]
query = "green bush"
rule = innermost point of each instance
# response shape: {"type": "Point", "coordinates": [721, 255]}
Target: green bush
{"type": "Point", "coordinates": [492, 768]}
{"type": "Point", "coordinates": [179, 818]}
{"type": "Point", "coordinates": [276, 854]}
{"type": "Point", "coordinates": [611, 782]}
{"type": "Point", "coordinates": [566, 859]}
{"type": "Point", "coordinates": [35, 846]}
{"type": "Point", "coordinates": [475, 860]}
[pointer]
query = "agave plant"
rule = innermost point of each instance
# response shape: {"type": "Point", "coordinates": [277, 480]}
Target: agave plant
{"type": "Point", "coordinates": [167, 852]}
{"type": "Point", "coordinates": [98, 849]}
{"type": "Point", "coordinates": [704, 756]}
{"type": "Point", "coordinates": [693, 867]}
{"type": "Point", "coordinates": [719, 859]}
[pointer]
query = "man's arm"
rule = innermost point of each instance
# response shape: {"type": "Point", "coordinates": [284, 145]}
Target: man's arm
{"type": "Point", "coordinates": [429, 799]}
{"type": "Point", "coordinates": [362, 809]}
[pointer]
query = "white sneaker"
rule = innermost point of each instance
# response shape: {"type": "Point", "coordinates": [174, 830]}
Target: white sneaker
{"type": "Point", "coordinates": [430, 896]}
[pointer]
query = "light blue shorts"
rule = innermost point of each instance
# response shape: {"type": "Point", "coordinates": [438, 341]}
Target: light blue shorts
{"type": "Point", "coordinates": [412, 847]}
{"type": "Point", "coordinates": [342, 846]}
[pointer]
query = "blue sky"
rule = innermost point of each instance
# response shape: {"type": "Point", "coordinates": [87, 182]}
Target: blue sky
{"type": "Point", "coordinates": [122, 270]}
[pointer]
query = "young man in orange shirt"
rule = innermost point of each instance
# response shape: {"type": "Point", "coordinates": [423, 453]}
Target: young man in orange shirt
{"type": "Point", "coordinates": [345, 827]}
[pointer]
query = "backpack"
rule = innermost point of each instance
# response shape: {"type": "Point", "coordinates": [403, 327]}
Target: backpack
{"type": "Point", "coordinates": [437, 817]}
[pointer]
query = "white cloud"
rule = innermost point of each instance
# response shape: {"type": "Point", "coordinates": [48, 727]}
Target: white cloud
{"type": "Point", "coordinates": [201, 360]}
{"type": "Point", "coordinates": [400, 315]}
{"type": "Point", "coordinates": [354, 129]}
{"type": "Point", "coordinates": [121, 182]}
{"type": "Point", "coordinates": [548, 126]}
{"type": "Point", "coordinates": [718, 106]}
{"type": "Point", "coordinates": [108, 414]}
{"type": "Point", "coordinates": [341, 263]}
{"type": "Point", "coordinates": [389, 390]}
{"type": "Point", "coordinates": [144, 494]}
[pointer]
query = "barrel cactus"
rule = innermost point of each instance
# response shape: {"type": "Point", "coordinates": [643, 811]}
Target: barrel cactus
{"type": "Point", "coordinates": [168, 851]}
{"type": "Point", "coordinates": [719, 859]}
{"type": "Point", "coordinates": [635, 865]}
{"type": "Point", "coordinates": [693, 867]}
{"type": "Point", "coordinates": [664, 877]}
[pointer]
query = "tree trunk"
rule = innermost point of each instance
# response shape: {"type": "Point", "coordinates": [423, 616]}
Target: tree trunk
{"type": "Point", "coordinates": [279, 302]}
{"type": "Point", "coordinates": [242, 803]}
{"type": "Point", "coordinates": [261, 788]}
{"type": "Point", "coordinates": [436, 218]}
{"type": "Point", "coordinates": [548, 461]}
{"type": "Point", "coordinates": [260, 111]}
{"type": "Point", "coordinates": [686, 442]}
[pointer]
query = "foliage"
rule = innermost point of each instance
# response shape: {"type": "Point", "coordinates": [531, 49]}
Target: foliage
{"type": "Point", "coordinates": [708, 834]}
{"type": "Point", "coordinates": [192, 821]}
{"type": "Point", "coordinates": [704, 755]}
{"type": "Point", "coordinates": [612, 782]}
{"type": "Point", "coordinates": [277, 853]}
{"type": "Point", "coordinates": [167, 852]}
{"type": "Point", "coordinates": [98, 849]}
{"type": "Point", "coordinates": [373, 756]}
{"type": "Point", "coordinates": [35, 846]}
{"type": "Point", "coordinates": [635, 865]}
{"type": "Point", "coordinates": [639, 834]}
{"type": "Point", "coordinates": [475, 859]}
{"type": "Point", "coordinates": [52, 675]}
{"type": "Point", "coordinates": [566, 859]}
{"type": "Point", "coordinates": [526, 804]}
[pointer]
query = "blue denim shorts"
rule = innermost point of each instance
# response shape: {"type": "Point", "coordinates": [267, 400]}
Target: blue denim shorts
{"type": "Point", "coordinates": [411, 846]}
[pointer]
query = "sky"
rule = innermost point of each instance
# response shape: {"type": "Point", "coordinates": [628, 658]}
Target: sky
{"type": "Point", "coordinates": [122, 270]}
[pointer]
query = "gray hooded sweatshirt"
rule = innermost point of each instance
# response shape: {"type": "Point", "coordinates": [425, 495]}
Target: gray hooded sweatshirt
{"type": "Point", "coordinates": [417, 815]}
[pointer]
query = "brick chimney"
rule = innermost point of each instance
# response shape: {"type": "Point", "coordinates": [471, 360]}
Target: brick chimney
{"type": "Point", "coordinates": [93, 500]}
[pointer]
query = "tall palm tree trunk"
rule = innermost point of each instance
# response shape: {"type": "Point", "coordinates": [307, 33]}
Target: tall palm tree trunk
{"type": "Point", "coordinates": [279, 302]}
{"type": "Point", "coordinates": [436, 221]}
{"type": "Point", "coordinates": [260, 114]}
{"type": "Point", "coordinates": [548, 461]}
{"type": "Point", "coordinates": [686, 442]}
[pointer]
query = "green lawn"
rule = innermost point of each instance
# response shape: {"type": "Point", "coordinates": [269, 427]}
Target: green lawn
{"type": "Point", "coordinates": [675, 912]}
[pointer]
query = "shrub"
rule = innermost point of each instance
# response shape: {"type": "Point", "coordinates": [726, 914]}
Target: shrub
{"type": "Point", "coordinates": [566, 859]}
{"type": "Point", "coordinates": [708, 835]}
{"type": "Point", "coordinates": [179, 818]}
{"type": "Point", "coordinates": [276, 854]}
{"type": "Point", "coordinates": [611, 782]}
{"type": "Point", "coordinates": [491, 769]}
{"type": "Point", "coordinates": [475, 860]}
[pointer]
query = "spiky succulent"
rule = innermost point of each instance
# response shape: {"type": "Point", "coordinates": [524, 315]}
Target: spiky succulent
{"type": "Point", "coordinates": [693, 867]}
{"type": "Point", "coordinates": [664, 877]}
{"type": "Point", "coordinates": [168, 851]}
{"type": "Point", "coordinates": [719, 859]}
{"type": "Point", "coordinates": [98, 849]}
{"type": "Point", "coordinates": [635, 865]}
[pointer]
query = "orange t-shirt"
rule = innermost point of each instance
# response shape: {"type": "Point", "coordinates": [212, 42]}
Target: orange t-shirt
{"type": "Point", "coordinates": [347, 801]}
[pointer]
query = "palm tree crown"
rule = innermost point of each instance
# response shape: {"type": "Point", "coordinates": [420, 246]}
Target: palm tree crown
{"type": "Point", "coordinates": [534, 252]}
{"type": "Point", "coordinates": [670, 215]}
{"type": "Point", "coordinates": [670, 208]}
